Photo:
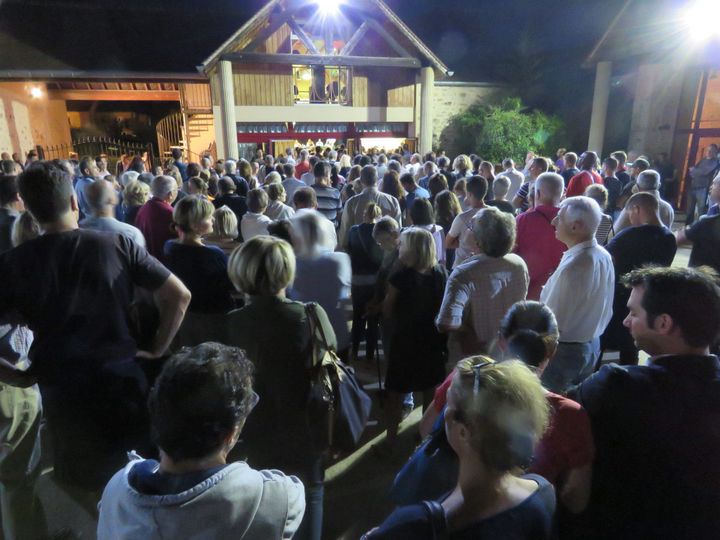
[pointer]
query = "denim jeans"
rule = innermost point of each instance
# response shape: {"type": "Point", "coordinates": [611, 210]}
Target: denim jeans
{"type": "Point", "coordinates": [312, 478]}
{"type": "Point", "coordinates": [571, 365]}
{"type": "Point", "coordinates": [696, 198]}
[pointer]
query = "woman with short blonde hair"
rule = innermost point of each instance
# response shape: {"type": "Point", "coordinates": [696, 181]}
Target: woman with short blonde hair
{"type": "Point", "coordinates": [277, 209]}
{"type": "Point", "coordinates": [275, 333]}
{"type": "Point", "coordinates": [225, 230]}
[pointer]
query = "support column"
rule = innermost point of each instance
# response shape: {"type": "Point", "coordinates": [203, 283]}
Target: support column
{"type": "Point", "coordinates": [227, 110]}
{"type": "Point", "coordinates": [603, 73]}
{"type": "Point", "coordinates": [427, 82]}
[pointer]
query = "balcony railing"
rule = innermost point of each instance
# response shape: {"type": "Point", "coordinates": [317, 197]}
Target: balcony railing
{"type": "Point", "coordinates": [328, 85]}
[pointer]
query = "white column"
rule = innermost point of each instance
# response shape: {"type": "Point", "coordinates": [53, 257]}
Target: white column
{"type": "Point", "coordinates": [603, 73]}
{"type": "Point", "coordinates": [227, 110]}
{"type": "Point", "coordinates": [427, 82]}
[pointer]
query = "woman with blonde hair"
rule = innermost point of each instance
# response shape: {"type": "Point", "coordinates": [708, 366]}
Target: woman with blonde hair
{"type": "Point", "coordinates": [197, 186]}
{"type": "Point", "coordinates": [495, 416]}
{"type": "Point", "coordinates": [277, 209]}
{"type": "Point", "coordinates": [135, 195]}
{"type": "Point", "coordinates": [417, 352]}
{"type": "Point", "coordinates": [225, 230]}
{"type": "Point", "coordinates": [275, 333]}
{"type": "Point", "coordinates": [462, 167]}
{"type": "Point", "coordinates": [200, 267]}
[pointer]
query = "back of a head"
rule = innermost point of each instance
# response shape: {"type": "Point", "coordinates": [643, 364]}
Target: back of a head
{"type": "Point", "coordinates": [420, 252]}
{"type": "Point", "coordinates": [570, 159]}
{"type": "Point", "coordinates": [550, 186]}
{"type": "Point", "coordinates": [368, 176]}
{"type": "Point", "coordinates": [135, 193]}
{"type": "Point", "coordinates": [530, 315]}
{"type": "Point", "coordinates": [641, 164]}
{"type": "Point", "coordinates": [263, 266]}
{"type": "Point", "coordinates": [621, 156]}
{"type": "Point", "coordinates": [202, 394]}
{"type": "Point", "coordinates": [541, 164]}
{"type": "Point", "coordinates": [46, 190]}
{"type": "Point", "coordinates": [87, 164]}
{"type": "Point", "coordinates": [527, 346]}
{"type": "Point", "coordinates": [407, 180]}
{"type": "Point", "coordinates": [257, 200]}
{"type": "Point", "coordinates": [8, 189]}
{"type": "Point", "coordinates": [24, 228]}
{"type": "Point", "coordinates": [99, 195]}
{"type": "Point", "coordinates": [176, 153]}
{"type": "Point", "coordinates": [226, 185]}
{"type": "Point", "coordinates": [477, 186]}
{"type": "Point", "coordinates": [647, 201]}
{"type": "Point", "coordinates": [193, 169]}
{"type": "Point", "coordinates": [494, 232]}
{"type": "Point", "coordinates": [598, 193]}
{"type": "Point", "coordinates": [273, 178]}
{"type": "Point", "coordinates": [289, 170]}
{"type": "Point", "coordinates": [321, 169]}
{"type": "Point", "coordinates": [225, 223]}
{"type": "Point", "coordinates": [308, 234]}
{"type": "Point", "coordinates": [8, 167]}
{"type": "Point", "coordinates": [162, 186]}
{"type": "Point", "coordinates": [504, 408]}
{"type": "Point", "coordinates": [128, 176]}
{"type": "Point", "coordinates": [611, 163]}
{"type": "Point", "coordinates": [145, 177]}
{"type": "Point", "coordinates": [230, 166]}
{"type": "Point", "coordinates": [690, 296]}
{"type": "Point", "coordinates": [385, 226]}
{"type": "Point", "coordinates": [372, 213]}
{"type": "Point", "coordinates": [501, 186]}
{"type": "Point", "coordinates": [422, 213]}
{"type": "Point", "coordinates": [508, 163]}
{"type": "Point", "coordinates": [305, 197]}
{"type": "Point", "coordinates": [275, 191]}
{"type": "Point", "coordinates": [648, 180]}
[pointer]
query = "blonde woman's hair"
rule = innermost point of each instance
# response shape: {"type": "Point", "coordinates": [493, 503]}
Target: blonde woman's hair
{"type": "Point", "coordinates": [462, 163]}
{"type": "Point", "coordinates": [503, 405]}
{"type": "Point", "coordinates": [24, 228]}
{"type": "Point", "coordinates": [385, 226]}
{"type": "Point", "coordinates": [372, 213]}
{"type": "Point", "coordinates": [226, 223]}
{"type": "Point", "coordinates": [276, 192]}
{"type": "Point", "coordinates": [421, 248]}
{"type": "Point", "coordinates": [190, 211]}
{"type": "Point", "coordinates": [262, 266]}
{"type": "Point", "coordinates": [136, 193]}
{"type": "Point", "coordinates": [199, 184]}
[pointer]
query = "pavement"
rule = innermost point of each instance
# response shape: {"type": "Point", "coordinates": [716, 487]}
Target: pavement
{"type": "Point", "coordinates": [356, 486]}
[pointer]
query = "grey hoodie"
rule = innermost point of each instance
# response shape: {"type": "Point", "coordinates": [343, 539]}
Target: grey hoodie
{"type": "Point", "coordinates": [236, 503]}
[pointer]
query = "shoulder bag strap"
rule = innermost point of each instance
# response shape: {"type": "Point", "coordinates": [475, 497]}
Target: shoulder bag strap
{"type": "Point", "coordinates": [438, 521]}
{"type": "Point", "coordinates": [316, 326]}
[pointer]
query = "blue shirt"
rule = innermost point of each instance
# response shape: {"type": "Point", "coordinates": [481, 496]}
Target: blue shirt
{"type": "Point", "coordinates": [80, 186]}
{"type": "Point", "coordinates": [182, 167]}
{"type": "Point", "coordinates": [419, 193]}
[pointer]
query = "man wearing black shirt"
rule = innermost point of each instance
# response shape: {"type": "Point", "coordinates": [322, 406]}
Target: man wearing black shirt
{"type": "Point", "coordinates": [613, 185]}
{"type": "Point", "coordinates": [657, 460]}
{"type": "Point", "coordinates": [704, 235]}
{"type": "Point", "coordinates": [228, 197]}
{"type": "Point", "coordinates": [74, 289]}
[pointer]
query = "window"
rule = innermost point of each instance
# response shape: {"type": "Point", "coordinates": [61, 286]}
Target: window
{"type": "Point", "coordinates": [320, 84]}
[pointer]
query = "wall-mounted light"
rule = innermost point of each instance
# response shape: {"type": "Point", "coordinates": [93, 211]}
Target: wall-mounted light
{"type": "Point", "coordinates": [35, 92]}
{"type": "Point", "coordinates": [700, 23]}
{"type": "Point", "coordinates": [329, 7]}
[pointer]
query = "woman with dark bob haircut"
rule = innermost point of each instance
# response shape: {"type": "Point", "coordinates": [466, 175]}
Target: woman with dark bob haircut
{"type": "Point", "coordinates": [198, 407]}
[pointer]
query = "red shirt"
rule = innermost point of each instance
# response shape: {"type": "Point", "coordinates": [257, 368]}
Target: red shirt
{"type": "Point", "coordinates": [536, 244]}
{"type": "Point", "coordinates": [581, 181]}
{"type": "Point", "coordinates": [566, 444]}
{"type": "Point", "coordinates": [301, 168]}
{"type": "Point", "coordinates": [154, 220]}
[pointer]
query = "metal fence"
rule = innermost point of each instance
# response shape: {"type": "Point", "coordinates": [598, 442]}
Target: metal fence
{"type": "Point", "coordinates": [95, 146]}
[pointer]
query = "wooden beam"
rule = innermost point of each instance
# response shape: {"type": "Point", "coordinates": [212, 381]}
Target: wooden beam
{"type": "Point", "coordinates": [115, 95]}
{"type": "Point", "coordinates": [321, 60]}
{"type": "Point", "coordinates": [295, 27]}
{"type": "Point", "coordinates": [278, 20]}
{"type": "Point", "coordinates": [355, 39]}
{"type": "Point", "coordinates": [389, 39]}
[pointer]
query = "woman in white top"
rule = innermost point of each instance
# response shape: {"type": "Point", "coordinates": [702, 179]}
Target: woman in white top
{"type": "Point", "coordinates": [277, 209]}
{"type": "Point", "coordinates": [255, 222]}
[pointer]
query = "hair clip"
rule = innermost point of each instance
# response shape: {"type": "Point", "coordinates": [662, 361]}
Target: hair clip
{"type": "Point", "coordinates": [476, 371]}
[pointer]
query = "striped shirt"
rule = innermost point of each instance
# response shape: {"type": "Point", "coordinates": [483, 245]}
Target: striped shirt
{"type": "Point", "coordinates": [328, 200]}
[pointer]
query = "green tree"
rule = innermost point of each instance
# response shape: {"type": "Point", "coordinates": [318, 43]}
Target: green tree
{"type": "Point", "coordinates": [505, 129]}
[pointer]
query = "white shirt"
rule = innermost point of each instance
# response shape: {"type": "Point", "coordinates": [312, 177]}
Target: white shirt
{"type": "Point", "coordinates": [580, 292]}
{"type": "Point", "coordinates": [462, 229]}
{"type": "Point", "coordinates": [355, 209]}
{"type": "Point", "coordinates": [330, 234]}
{"type": "Point", "coordinates": [308, 178]}
{"type": "Point", "coordinates": [516, 180]}
{"type": "Point", "coordinates": [278, 211]}
{"type": "Point", "coordinates": [253, 225]}
{"type": "Point", "coordinates": [112, 225]}
{"type": "Point", "coordinates": [291, 185]}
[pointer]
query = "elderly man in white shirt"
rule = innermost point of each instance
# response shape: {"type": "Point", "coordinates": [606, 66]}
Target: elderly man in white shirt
{"type": "Point", "coordinates": [648, 181]}
{"type": "Point", "coordinates": [580, 293]}
{"type": "Point", "coordinates": [354, 211]}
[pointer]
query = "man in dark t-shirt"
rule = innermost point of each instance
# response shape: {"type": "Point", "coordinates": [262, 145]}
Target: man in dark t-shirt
{"type": "Point", "coordinates": [704, 235]}
{"type": "Point", "coordinates": [74, 289]}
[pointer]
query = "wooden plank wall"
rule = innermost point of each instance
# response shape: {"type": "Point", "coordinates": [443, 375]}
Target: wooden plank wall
{"type": "Point", "coordinates": [195, 97]}
{"type": "Point", "coordinates": [383, 87]}
{"type": "Point", "coordinates": [279, 42]}
{"type": "Point", "coordinates": [263, 85]}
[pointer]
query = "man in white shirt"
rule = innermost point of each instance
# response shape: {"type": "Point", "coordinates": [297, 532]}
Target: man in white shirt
{"type": "Point", "coordinates": [354, 211]}
{"type": "Point", "coordinates": [304, 201]}
{"type": "Point", "coordinates": [516, 178]}
{"type": "Point", "coordinates": [461, 237]}
{"type": "Point", "coordinates": [255, 222]}
{"type": "Point", "coordinates": [102, 200]}
{"type": "Point", "coordinates": [580, 293]}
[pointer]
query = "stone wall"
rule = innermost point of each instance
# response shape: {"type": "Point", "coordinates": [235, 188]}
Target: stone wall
{"type": "Point", "coordinates": [452, 98]}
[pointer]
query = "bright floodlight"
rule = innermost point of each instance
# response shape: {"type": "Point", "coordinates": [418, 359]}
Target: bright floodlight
{"type": "Point", "coordinates": [328, 7]}
{"type": "Point", "coordinates": [35, 92]}
{"type": "Point", "coordinates": [700, 22]}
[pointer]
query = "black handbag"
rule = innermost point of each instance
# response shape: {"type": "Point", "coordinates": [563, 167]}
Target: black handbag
{"type": "Point", "coordinates": [338, 408]}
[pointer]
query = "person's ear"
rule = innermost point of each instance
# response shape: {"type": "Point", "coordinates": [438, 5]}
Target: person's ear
{"type": "Point", "coordinates": [663, 324]}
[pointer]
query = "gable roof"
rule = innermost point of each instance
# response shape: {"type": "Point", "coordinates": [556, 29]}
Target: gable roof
{"type": "Point", "coordinates": [652, 31]}
{"type": "Point", "coordinates": [261, 17]}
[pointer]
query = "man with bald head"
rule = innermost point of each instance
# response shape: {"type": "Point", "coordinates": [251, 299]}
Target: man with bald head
{"type": "Point", "coordinates": [102, 200]}
{"type": "Point", "coordinates": [587, 175]}
{"type": "Point", "coordinates": [647, 241]}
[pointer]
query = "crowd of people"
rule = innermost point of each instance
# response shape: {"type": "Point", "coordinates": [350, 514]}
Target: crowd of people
{"type": "Point", "coordinates": [161, 317]}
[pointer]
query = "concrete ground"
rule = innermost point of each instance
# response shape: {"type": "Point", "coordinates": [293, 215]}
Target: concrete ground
{"type": "Point", "coordinates": [355, 489]}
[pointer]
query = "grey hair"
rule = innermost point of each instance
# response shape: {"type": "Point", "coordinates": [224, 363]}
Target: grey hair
{"type": "Point", "coordinates": [501, 186]}
{"type": "Point", "coordinates": [584, 210]}
{"type": "Point", "coordinates": [273, 178]}
{"type": "Point", "coordinates": [494, 231]}
{"type": "Point", "coordinates": [230, 166]}
{"type": "Point", "coordinates": [308, 234]}
{"type": "Point", "coordinates": [550, 183]}
{"type": "Point", "coordinates": [648, 180]}
{"type": "Point", "coordinates": [128, 176]}
{"type": "Point", "coordinates": [146, 178]}
{"type": "Point", "coordinates": [162, 186]}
